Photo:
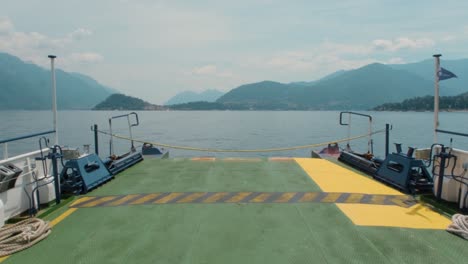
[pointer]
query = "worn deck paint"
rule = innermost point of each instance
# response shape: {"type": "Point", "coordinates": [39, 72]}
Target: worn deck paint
{"type": "Point", "coordinates": [230, 233]}
{"type": "Point", "coordinates": [244, 197]}
{"type": "Point", "coordinates": [333, 178]}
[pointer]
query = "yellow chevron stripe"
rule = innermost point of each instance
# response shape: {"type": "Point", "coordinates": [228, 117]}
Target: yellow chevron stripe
{"type": "Point", "coordinates": [168, 198]}
{"type": "Point", "coordinates": [285, 197]}
{"type": "Point", "coordinates": [331, 197]}
{"type": "Point", "coordinates": [261, 198]}
{"type": "Point", "coordinates": [354, 198]}
{"type": "Point", "coordinates": [239, 197]}
{"type": "Point", "coordinates": [191, 197]}
{"type": "Point", "coordinates": [123, 199]}
{"type": "Point", "coordinates": [308, 197]}
{"type": "Point", "coordinates": [145, 198]}
{"type": "Point", "coordinates": [99, 201]}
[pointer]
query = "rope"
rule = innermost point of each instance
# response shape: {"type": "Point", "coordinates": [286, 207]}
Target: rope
{"type": "Point", "coordinates": [22, 235]}
{"type": "Point", "coordinates": [242, 150]}
{"type": "Point", "coordinates": [459, 225]}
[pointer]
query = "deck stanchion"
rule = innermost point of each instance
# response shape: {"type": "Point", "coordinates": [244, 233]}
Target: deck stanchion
{"type": "Point", "coordinates": [54, 157]}
{"type": "Point", "coordinates": [387, 138]}
{"type": "Point", "coordinates": [96, 142]}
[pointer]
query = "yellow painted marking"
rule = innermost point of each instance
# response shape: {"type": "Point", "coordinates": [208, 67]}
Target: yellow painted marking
{"type": "Point", "coordinates": [204, 159]}
{"type": "Point", "coordinates": [331, 177]}
{"type": "Point", "coordinates": [62, 216]}
{"type": "Point", "coordinates": [377, 199]}
{"type": "Point", "coordinates": [330, 197]}
{"type": "Point", "coordinates": [123, 199]}
{"type": "Point", "coordinates": [261, 198]}
{"type": "Point", "coordinates": [145, 198]}
{"type": "Point", "coordinates": [98, 201]}
{"type": "Point", "coordinates": [238, 197]}
{"type": "Point", "coordinates": [191, 197]}
{"type": "Point", "coordinates": [4, 258]}
{"type": "Point", "coordinates": [285, 197]}
{"type": "Point", "coordinates": [243, 159]}
{"type": "Point", "coordinates": [168, 198]}
{"type": "Point", "coordinates": [308, 197]}
{"type": "Point", "coordinates": [417, 216]}
{"type": "Point", "coordinates": [280, 159]}
{"type": "Point", "coordinates": [81, 200]}
{"type": "Point", "coordinates": [399, 201]}
{"type": "Point", "coordinates": [354, 198]}
{"type": "Point", "coordinates": [213, 198]}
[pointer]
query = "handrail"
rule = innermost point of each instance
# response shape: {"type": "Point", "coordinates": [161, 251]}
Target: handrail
{"type": "Point", "coordinates": [370, 142]}
{"type": "Point", "coordinates": [451, 133]}
{"type": "Point", "coordinates": [27, 136]}
{"type": "Point", "coordinates": [352, 113]}
{"type": "Point", "coordinates": [128, 115]}
{"type": "Point", "coordinates": [130, 125]}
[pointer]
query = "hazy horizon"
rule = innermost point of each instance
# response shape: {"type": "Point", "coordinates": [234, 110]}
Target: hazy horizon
{"type": "Point", "coordinates": [156, 49]}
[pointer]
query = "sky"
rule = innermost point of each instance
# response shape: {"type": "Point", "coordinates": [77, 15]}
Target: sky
{"type": "Point", "coordinates": [155, 49]}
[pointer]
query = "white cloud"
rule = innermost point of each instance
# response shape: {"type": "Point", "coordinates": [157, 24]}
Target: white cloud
{"type": "Point", "coordinates": [210, 71]}
{"type": "Point", "coordinates": [402, 43]}
{"type": "Point", "coordinates": [34, 46]}
{"type": "Point", "coordinates": [207, 69]}
{"type": "Point", "coordinates": [396, 60]}
{"type": "Point", "coordinates": [6, 26]}
{"type": "Point", "coordinates": [86, 57]}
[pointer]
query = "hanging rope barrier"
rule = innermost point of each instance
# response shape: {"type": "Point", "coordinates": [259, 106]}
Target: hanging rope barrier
{"type": "Point", "coordinates": [241, 150]}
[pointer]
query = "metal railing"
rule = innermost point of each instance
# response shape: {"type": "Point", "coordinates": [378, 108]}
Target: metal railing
{"type": "Point", "coordinates": [369, 143]}
{"type": "Point", "coordinates": [130, 125]}
{"type": "Point", "coordinates": [5, 142]}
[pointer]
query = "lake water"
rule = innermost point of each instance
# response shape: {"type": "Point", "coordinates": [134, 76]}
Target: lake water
{"type": "Point", "coordinates": [232, 130]}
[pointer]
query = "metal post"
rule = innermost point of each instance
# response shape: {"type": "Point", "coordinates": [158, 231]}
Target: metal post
{"type": "Point", "coordinates": [387, 138]}
{"type": "Point", "coordinates": [111, 143]}
{"type": "Point", "coordinates": [369, 142]}
{"type": "Point", "coordinates": [130, 131]}
{"type": "Point", "coordinates": [349, 127]}
{"type": "Point", "coordinates": [5, 150]}
{"type": "Point", "coordinates": [96, 142]}
{"type": "Point", "coordinates": [442, 156]}
{"type": "Point", "coordinates": [436, 95]}
{"type": "Point", "coordinates": [55, 174]}
{"type": "Point", "coordinates": [54, 96]}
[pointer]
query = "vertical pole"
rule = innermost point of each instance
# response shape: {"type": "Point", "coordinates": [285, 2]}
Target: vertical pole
{"type": "Point", "coordinates": [443, 157]}
{"type": "Point", "coordinates": [436, 95]}
{"type": "Point", "coordinates": [349, 128]}
{"type": "Point", "coordinates": [387, 139]}
{"type": "Point", "coordinates": [96, 142]}
{"type": "Point", "coordinates": [111, 143]}
{"type": "Point", "coordinates": [5, 150]}
{"type": "Point", "coordinates": [55, 174]}
{"type": "Point", "coordinates": [369, 142]}
{"type": "Point", "coordinates": [54, 96]}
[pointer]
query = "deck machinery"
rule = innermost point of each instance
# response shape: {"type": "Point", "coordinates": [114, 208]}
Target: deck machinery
{"type": "Point", "coordinates": [400, 170]}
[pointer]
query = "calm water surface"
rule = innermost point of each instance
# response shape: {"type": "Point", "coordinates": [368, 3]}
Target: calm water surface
{"type": "Point", "coordinates": [232, 129]}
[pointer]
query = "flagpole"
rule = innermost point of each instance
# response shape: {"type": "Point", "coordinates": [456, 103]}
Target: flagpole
{"type": "Point", "coordinates": [436, 95]}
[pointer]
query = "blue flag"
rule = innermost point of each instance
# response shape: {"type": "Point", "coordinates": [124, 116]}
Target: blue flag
{"type": "Point", "coordinates": [445, 74]}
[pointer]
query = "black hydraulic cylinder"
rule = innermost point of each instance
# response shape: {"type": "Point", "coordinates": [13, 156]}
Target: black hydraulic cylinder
{"type": "Point", "coordinates": [443, 157]}
{"type": "Point", "coordinates": [96, 143]}
{"type": "Point", "coordinates": [56, 176]}
{"type": "Point", "coordinates": [387, 139]}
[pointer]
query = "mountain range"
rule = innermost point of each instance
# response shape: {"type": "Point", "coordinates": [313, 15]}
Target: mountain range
{"type": "Point", "coordinates": [358, 89]}
{"type": "Point", "coordinates": [27, 86]}
{"type": "Point", "coordinates": [189, 96]}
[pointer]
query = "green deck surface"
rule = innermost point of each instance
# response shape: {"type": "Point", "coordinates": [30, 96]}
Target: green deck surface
{"type": "Point", "coordinates": [229, 233]}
